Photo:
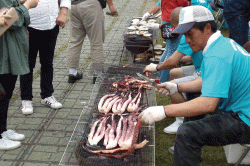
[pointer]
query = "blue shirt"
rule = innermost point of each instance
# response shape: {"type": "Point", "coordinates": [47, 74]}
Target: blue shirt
{"type": "Point", "coordinates": [202, 3]}
{"type": "Point", "coordinates": [225, 72]}
{"type": "Point", "coordinates": [197, 57]}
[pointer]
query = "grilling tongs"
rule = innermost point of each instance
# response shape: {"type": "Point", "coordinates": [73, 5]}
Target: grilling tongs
{"type": "Point", "coordinates": [149, 80]}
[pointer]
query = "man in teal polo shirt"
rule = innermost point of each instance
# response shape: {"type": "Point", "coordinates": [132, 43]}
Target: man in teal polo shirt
{"type": "Point", "coordinates": [183, 74]}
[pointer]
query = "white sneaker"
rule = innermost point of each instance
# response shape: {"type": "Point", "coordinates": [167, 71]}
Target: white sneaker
{"type": "Point", "coordinates": [12, 135]}
{"type": "Point", "coordinates": [51, 102]}
{"type": "Point", "coordinates": [172, 129]}
{"type": "Point", "coordinates": [27, 107]}
{"type": "Point", "coordinates": [171, 150]}
{"type": "Point", "coordinates": [6, 144]}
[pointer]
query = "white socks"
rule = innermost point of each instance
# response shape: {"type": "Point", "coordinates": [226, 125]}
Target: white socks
{"type": "Point", "coordinates": [73, 71]}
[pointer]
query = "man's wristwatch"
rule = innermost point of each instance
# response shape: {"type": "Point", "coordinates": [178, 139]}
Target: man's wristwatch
{"type": "Point", "coordinates": [157, 67]}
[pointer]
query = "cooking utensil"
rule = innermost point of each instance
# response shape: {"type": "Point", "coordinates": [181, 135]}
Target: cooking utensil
{"type": "Point", "coordinates": [158, 15]}
{"type": "Point", "coordinates": [149, 80]}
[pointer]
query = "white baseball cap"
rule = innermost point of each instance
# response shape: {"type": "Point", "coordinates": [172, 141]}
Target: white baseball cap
{"type": "Point", "coordinates": [190, 15]}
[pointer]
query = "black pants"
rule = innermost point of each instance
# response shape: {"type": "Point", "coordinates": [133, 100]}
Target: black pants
{"type": "Point", "coordinates": [214, 130]}
{"type": "Point", "coordinates": [8, 82]}
{"type": "Point", "coordinates": [44, 42]}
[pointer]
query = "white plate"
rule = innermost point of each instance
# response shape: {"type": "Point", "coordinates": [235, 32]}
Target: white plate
{"type": "Point", "coordinates": [151, 21]}
{"type": "Point", "coordinates": [143, 28]}
{"type": "Point", "coordinates": [136, 20]}
{"type": "Point", "coordinates": [132, 33]}
{"type": "Point", "coordinates": [147, 35]}
{"type": "Point", "coordinates": [158, 47]}
{"type": "Point", "coordinates": [143, 22]}
{"type": "Point", "coordinates": [132, 28]}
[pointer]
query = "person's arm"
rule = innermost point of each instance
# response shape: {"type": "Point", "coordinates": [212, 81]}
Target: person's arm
{"type": "Point", "coordinates": [170, 63]}
{"type": "Point", "coordinates": [62, 17]}
{"type": "Point", "coordinates": [31, 4]}
{"type": "Point", "coordinates": [112, 8]}
{"type": "Point", "coordinates": [171, 88]}
{"type": "Point", "coordinates": [192, 86]}
{"type": "Point", "coordinates": [155, 9]}
{"type": "Point", "coordinates": [195, 107]}
{"type": "Point", "coordinates": [185, 59]}
{"type": "Point", "coordinates": [3, 19]}
{"type": "Point", "coordinates": [23, 14]}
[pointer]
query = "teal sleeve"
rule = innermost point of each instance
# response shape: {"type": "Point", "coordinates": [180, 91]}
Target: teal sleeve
{"type": "Point", "coordinates": [184, 47]}
{"type": "Point", "coordinates": [159, 3]}
{"type": "Point", "coordinates": [216, 76]}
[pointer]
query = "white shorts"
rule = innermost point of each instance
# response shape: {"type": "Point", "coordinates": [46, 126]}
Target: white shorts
{"type": "Point", "coordinates": [190, 74]}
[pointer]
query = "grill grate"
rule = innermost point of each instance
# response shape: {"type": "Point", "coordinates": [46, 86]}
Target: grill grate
{"type": "Point", "coordinates": [75, 155]}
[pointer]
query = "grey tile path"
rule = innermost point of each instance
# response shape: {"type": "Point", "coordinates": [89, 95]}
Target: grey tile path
{"type": "Point", "coordinates": [48, 131]}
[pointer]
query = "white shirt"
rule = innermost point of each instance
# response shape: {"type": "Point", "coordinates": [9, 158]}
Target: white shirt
{"type": "Point", "coordinates": [43, 17]}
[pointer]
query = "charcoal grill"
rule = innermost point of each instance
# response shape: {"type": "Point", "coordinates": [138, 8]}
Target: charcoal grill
{"type": "Point", "coordinates": [143, 157]}
{"type": "Point", "coordinates": [139, 157]}
{"type": "Point", "coordinates": [137, 44]}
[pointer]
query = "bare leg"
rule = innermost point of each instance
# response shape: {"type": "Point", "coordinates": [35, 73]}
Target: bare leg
{"type": "Point", "coordinates": [177, 98]}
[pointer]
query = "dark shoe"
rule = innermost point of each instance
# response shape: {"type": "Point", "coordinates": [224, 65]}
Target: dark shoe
{"type": "Point", "coordinates": [73, 79]}
{"type": "Point", "coordinates": [94, 79]}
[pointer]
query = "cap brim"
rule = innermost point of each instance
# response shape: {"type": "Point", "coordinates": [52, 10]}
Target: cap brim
{"type": "Point", "coordinates": [183, 28]}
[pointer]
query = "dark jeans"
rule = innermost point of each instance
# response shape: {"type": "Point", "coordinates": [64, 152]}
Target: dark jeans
{"type": "Point", "coordinates": [237, 15]}
{"type": "Point", "coordinates": [214, 130]}
{"type": "Point", "coordinates": [239, 28]}
{"type": "Point", "coordinates": [43, 42]}
{"type": "Point", "coordinates": [8, 82]}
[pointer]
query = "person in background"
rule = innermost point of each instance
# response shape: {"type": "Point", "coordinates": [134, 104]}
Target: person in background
{"type": "Point", "coordinates": [13, 62]}
{"type": "Point", "coordinates": [225, 85]}
{"type": "Point", "coordinates": [87, 18]}
{"type": "Point", "coordinates": [43, 31]}
{"type": "Point", "coordinates": [178, 74]}
{"type": "Point", "coordinates": [237, 15]}
{"type": "Point", "coordinates": [167, 6]}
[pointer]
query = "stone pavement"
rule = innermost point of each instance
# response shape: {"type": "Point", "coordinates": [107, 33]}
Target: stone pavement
{"type": "Point", "coordinates": [48, 131]}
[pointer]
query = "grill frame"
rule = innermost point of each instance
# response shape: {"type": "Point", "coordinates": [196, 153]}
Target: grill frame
{"type": "Point", "coordinates": [74, 154]}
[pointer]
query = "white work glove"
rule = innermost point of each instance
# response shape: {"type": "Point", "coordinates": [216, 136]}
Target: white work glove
{"type": "Point", "coordinates": [151, 68]}
{"type": "Point", "coordinates": [145, 16]}
{"type": "Point", "coordinates": [152, 114]}
{"type": "Point", "coordinates": [168, 88]}
{"type": "Point", "coordinates": [153, 26]}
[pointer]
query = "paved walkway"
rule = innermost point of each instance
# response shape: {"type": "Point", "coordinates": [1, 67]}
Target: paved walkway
{"type": "Point", "coordinates": [48, 131]}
